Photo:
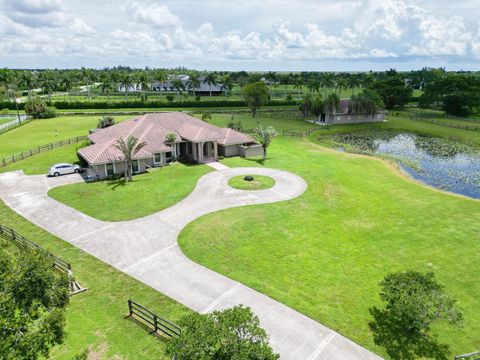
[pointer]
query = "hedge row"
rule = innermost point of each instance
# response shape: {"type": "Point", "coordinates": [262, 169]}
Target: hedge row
{"type": "Point", "coordinates": [146, 104]}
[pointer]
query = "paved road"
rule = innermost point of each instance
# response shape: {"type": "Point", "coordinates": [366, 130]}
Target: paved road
{"type": "Point", "coordinates": [147, 249]}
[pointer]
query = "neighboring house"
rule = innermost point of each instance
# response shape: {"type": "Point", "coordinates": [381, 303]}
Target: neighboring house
{"type": "Point", "coordinates": [343, 115]}
{"type": "Point", "coordinates": [202, 90]}
{"type": "Point", "coordinates": [196, 140]}
{"type": "Point", "coordinates": [130, 88]}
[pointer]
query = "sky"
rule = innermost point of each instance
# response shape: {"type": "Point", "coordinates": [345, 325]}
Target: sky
{"type": "Point", "coordinates": [251, 35]}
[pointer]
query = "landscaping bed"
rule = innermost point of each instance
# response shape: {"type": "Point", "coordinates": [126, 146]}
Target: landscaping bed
{"type": "Point", "coordinates": [251, 182]}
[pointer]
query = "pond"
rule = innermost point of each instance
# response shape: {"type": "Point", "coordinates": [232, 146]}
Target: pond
{"type": "Point", "coordinates": [444, 164]}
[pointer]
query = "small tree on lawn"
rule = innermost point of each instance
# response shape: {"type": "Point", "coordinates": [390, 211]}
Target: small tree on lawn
{"type": "Point", "coordinates": [129, 149]}
{"type": "Point", "coordinates": [206, 116]}
{"type": "Point", "coordinates": [229, 334]}
{"type": "Point", "coordinates": [265, 137]}
{"type": "Point", "coordinates": [256, 95]}
{"type": "Point", "coordinates": [105, 122]}
{"type": "Point", "coordinates": [413, 302]}
{"type": "Point", "coordinates": [170, 139]}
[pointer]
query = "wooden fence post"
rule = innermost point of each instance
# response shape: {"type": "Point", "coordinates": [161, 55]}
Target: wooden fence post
{"type": "Point", "coordinates": [155, 322]}
{"type": "Point", "coordinates": [130, 312]}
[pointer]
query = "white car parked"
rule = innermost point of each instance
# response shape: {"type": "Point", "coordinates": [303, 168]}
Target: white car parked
{"type": "Point", "coordinates": [63, 169]}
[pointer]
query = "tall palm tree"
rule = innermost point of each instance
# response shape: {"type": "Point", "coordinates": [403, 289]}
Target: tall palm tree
{"type": "Point", "coordinates": [327, 81]}
{"type": "Point", "coordinates": [27, 79]}
{"type": "Point", "coordinates": [331, 103]}
{"type": "Point", "coordinates": [177, 84]}
{"type": "Point", "coordinates": [126, 81]}
{"type": "Point", "coordinates": [67, 82]}
{"type": "Point", "coordinates": [313, 85]}
{"type": "Point", "coordinates": [193, 83]}
{"type": "Point", "coordinates": [48, 82]}
{"type": "Point", "coordinates": [129, 149]}
{"type": "Point", "coordinates": [353, 81]}
{"type": "Point", "coordinates": [265, 137]}
{"type": "Point", "coordinates": [227, 84]}
{"type": "Point", "coordinates": [211, 80]}
{"type": "Point", "coordinates": [143, 79]}
{"type": "Point", "coordinates": [106, 85]}
{"type": "Point", "coordinates": [86, 76]}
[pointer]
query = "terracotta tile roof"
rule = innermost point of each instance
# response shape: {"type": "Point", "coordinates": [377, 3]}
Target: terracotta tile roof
{"type": "Point", "coordinates": [233, 137]}
{"type": "Point", "coordinates": [153, 129]}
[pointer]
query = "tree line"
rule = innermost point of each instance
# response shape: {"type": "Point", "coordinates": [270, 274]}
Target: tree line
{"type": "Point", "coordinates": [455, 92]}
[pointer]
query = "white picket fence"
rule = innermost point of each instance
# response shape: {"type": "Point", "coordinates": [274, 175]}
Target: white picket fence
{"type": "Point", "coordinates": [15, 121]}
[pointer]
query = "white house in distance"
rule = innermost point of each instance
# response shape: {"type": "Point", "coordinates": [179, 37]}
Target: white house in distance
{"type": "Point", "coordinates": [195, 140]}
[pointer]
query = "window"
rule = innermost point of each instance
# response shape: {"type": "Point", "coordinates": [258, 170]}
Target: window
{"type": "Point", "coordinates": [158, 158]}
{"type": "Point", "coordinates": [109, 169]}
{"type": "Point", "coordinates": [135, 166]}
{"type": "Point", "coordinates": [169, 156]}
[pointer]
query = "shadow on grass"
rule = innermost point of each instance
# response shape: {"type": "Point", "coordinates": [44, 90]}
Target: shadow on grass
{"type": "Point", "coordinates": [147, 329]}
{"type": "Point", "coordinates": [259, 161]}
{"type": "Point", "coordinates": [404, 346]}
{"type": "Point", "coordinates": [116, 183]}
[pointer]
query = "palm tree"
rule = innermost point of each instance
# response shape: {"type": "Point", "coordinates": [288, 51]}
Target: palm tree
{"type": "Point", "coordinates": [353, 82]}
{"type": "Point", "coordinates": [126, 81]}
{"type": "Point", "coordinates": [211, 80]}
{"type": "Point", "coordinates": [193, 83]}
{"type": "Point", "coordinates": [9, 80]}
{"type": "Point", "coordinates": [313, 85]}
{"type": "Point", "coordinates": [27, 80]}
{"type": "Point", "coordinates": [170, 139]}
{"type": "Point", "coordinates": [107, 85]}
{"type": "Point", "coordinates": [227, 84]}
{"type": "Point", "coordinates": [47, 80]}
{"type": "Point", "coordinates": [143, 79]}
{"type": "Point", "coordinates": [327, 81]}
{"type": "Point", "coordinates": [129, 149]}
{"type": "Point", "coordinates": [67, 83]}
{"type": "Point", "coordinates": [331, 103]}
{"type": "Point", "coordinates": [265, 137]}
{"type": "Point", "coordinates": [177, 84]}
{"type": "Point", "coordinates": [86, 76]}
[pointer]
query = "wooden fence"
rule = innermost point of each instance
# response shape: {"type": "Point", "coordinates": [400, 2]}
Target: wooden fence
{"type": "Point", "coordinates": [473, 356]}
{"type": "Point", "coordinates": [155, 323]}
{"type": "Point", "coordinates": [57, 263]}
{"type": "Point", "coordinates": [299, 133]}
{"type": "Point", "coordinates": [433, 118]}
{"type": "Point", "coordinates": [447, 124]}
{"type": "Point", "coordinates": [30, 152]}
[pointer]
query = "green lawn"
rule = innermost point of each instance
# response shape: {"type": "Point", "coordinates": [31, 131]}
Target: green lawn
{"type": "Point", "coordinates": [96, 317]}
{"type": "Point", "coordinates": [39, 164]}
{"type": "Point", "coordinates": [248, 122]}
{"type": "Point", "coordinates": [259, 182]}
{"type": "Point", "coordinates": [325, 252]}
{"type": "Point", "coordinates": [148, 193]}
{"type": "Point", "coordinates": [40, 132]}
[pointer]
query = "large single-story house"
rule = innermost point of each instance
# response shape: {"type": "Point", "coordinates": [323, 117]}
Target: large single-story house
{"type": "Point", "coordinates": [195, 140]}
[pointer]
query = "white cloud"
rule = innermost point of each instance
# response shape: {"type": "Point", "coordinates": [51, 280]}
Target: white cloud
{"type": "Point", "coordinates": [146, 31]}
{"type": "Point", "coordinates": [153, 14]}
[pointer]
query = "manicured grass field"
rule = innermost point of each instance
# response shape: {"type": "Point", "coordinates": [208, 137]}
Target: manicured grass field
{"type": "Point", "coordinates": [40, 163]}
{"type": "Point", "coordinates": [259, 182]}
{"type": "Point", "coordinates": [40, 132]}
{"type": "Point", "coordinates": [248, 122]}
{"type": "Point", "coordinates": [148, 193]}
{"type": "Point", "coordinates": [325, 252]}
{"type": "Point", "coordinates": [97, 317]}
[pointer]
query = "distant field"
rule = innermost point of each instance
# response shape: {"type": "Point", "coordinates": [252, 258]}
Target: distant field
{"type": "Point", "coordinates": [280, 124]}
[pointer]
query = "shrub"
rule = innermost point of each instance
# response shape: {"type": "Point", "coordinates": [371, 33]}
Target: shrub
{"type": "Point", "coordinates": [198, 98]}
{"type": "Point", "coordinates": [35, 108]}
{"type": "Point", "coordinates": [170, 97]}
{"type": "Point", "coordinates": [50, 112]}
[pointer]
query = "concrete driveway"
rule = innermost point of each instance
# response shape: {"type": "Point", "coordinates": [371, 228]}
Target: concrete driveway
{"type": "Point", "coordinates": [147, 249]}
